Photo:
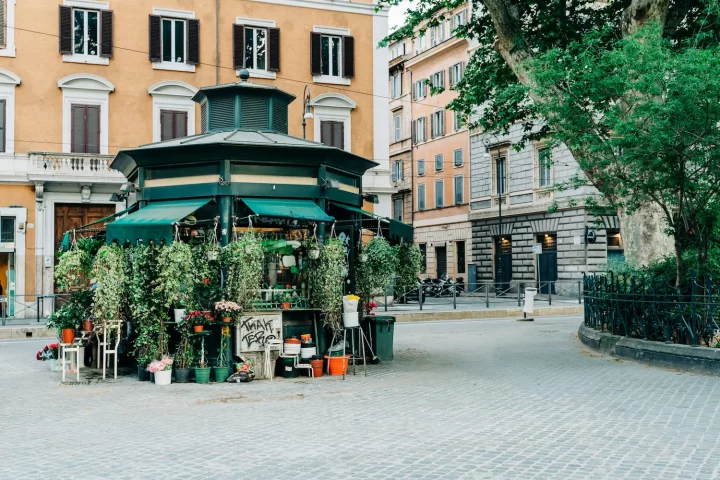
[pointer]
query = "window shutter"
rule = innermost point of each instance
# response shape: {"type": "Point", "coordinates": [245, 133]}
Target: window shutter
{"type": "Point", "coordinates": [450, 76]}
{"type": "Point", "coordinates": [2, 125]}
{"type": "Point", "coordinates": [442, 123]}
{"type": "Point", "coordinates": [106, 33]}
{"type": "Point", "coordinates": [66, 29]}
{"type": "Point", "coordinates": [238, 46]}
{"type": "Point", "coordinates": [154, 37]}
{"type": "Point", "coordinates": [274, 49]}
{"type": "Point", "coordinates": [166, 125]}
{"type": "Point", "coordinates": [424, 88]}
{"type": "Point", "coordinates": [3, 29]}
{"type": "Point", "coordinates": [412, 131]}
{"type": "Point", "coordinates": [315, 54]}
{"type": "Point", "coordinates": [348, 45]}
{"type": "Point", "coordinates": [193, 36]}
{"type": "Point", "coordinates": [326, 133]}
{"type": "Point", "coordinates": [181, 119]}
{"type": "Point", "coordinates": [339, 135]}
{"type": "Point", "coordinates": [77, 129]}
{"type": "Point", "coordinates": [93, 129]}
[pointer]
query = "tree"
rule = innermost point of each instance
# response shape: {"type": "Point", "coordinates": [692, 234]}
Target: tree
{"type": "Point", "coordinates": [513, 34]}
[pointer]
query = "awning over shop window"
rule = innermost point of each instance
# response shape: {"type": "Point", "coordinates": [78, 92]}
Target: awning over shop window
{"type": "Point", "coordinates": [287, 208]}
{"type": "Point", "coordinates": [153, 222]}
{"type": "Point", "coordinates": [397, 231]}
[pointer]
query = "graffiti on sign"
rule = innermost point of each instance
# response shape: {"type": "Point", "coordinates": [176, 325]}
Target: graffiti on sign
{"type": "Point", "coordinates": [255, 330]}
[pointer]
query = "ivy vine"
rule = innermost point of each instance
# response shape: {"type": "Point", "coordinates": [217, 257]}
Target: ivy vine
{"type": "Point", "coordinates": [243, 260]}
{"type": "Point", "coordinates": [408, 269]}
{"type": "Point", "coordinates": [110, 280]}
{"type": "Point", "coordinates": [327, 278]}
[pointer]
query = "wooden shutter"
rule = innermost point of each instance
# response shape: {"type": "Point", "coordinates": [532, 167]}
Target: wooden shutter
{"type": "Point", "coordinates": [92, 119]}
{"type": "Point", "coordinates": [166, 125]}
{"type": "Point", "coordinates": [348, 45]}
{"type": "Point", "coordinates": [66, 29]}
{"type": "Point", "coordinates": [2, 125]}
{"type": "Point", "coordinates": [181, 120]}
{"type": "Point", "coordinates": [77, 129]}
{"type": "Point", "coordinates": [154, 38]}
{"type": "Point", "coordinates": [193, 35]}
{"type": "Point", "coordinates": [3, 28]}
{"type": "Point", "coordinates": [238, 46]}
{"type": "Point", "coordinates": [412, 132]}
{"type": "Point", "coordinates": [315, 53]}
{"type": "Point", "coordinates": [339, 135]}
{"type": "Point", "coordinates": [451, 79]}
{"type": "Point", "coordinates": [326, 133]}
{"type": "Point", "coordinates": [274, 49]}
{"type": "Point", "coordinates": [106, 33]}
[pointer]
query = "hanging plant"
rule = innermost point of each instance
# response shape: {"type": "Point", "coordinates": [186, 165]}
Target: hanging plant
{"type": "Point", "coordinates": [72, 268]}
{"type": "Point", "coordinates": [243, 260]}
{"type": "Point", "coordinates": [376, 273]}
{"type": "Point", "coordinates": [146, 309]}
{"type": "Point", "coordinates": [206, 289]}
{"type": "Point", "coordinates": [408, 269]}
{"type": "Point", "coordinates": [109, 275]}
{"type": "Point", "coordinates": [327, 280]}
{"type": "Point", "coordinates": [176, 273]}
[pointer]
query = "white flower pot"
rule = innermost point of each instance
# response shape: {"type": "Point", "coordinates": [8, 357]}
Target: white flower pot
{"type": "Point", "coordinates": [363, 257]}
{"type": "Point", "coordinates": [351, 319]}
{"type": "Point", "coordinates": [212, 255]}
{"type": "Point", "coordinates": [178, 314]}
{"type": "Point", "coordinates": [54, 365]}
{"type": "Point", "coordinates": [314, 254]}
{"type": "Point", "coordinates": [163, 378]}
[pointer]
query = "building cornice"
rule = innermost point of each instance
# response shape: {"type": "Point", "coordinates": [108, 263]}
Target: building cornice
{"type": "Point", "coordinates": [333, 5]}
{"type": "Point", "coordinates": [433, 52]}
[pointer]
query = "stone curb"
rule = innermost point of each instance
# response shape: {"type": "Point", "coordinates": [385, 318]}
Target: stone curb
{"type": "Point", "coordinates": [480, 314]}
{"type": "Point", "coordinates": [703, 360]}
{"type": "Point", "coordinates": [25, 332]}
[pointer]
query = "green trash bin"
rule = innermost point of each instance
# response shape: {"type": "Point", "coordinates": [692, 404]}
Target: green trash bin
{"type": "Point", "coordinates": [382, 330]}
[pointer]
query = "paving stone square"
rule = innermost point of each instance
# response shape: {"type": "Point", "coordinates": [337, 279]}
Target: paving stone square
{"type": "Point", "coordinates": [491, 399]}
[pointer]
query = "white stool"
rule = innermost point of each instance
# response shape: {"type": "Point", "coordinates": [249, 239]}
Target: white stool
{"type": "Point", "coordinates": [66, 360]}
{"type": "Point", "coordinates": [267, 362]}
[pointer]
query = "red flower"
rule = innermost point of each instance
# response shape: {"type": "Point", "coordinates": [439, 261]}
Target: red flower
{"type": "Point", "coordinates": [207, 281]}
{"type": "Point", "coordinates": [38, 356]}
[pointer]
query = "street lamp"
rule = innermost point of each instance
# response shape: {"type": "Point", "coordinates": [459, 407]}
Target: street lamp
{"type": "Point", "coordinates": [500, 174]}
{"type": "Point", "coordinates": [307, 114]}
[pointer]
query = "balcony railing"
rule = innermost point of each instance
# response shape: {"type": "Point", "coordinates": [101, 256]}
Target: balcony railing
{"type": "Point", "coordinates": [52, 164]}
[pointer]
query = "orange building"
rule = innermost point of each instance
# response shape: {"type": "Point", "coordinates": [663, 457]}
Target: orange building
{"type": "Point", "coordinates": [85, 78]}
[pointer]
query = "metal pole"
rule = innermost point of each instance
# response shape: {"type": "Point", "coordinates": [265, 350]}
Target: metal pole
{"type": "Point", "coordinates": [499, 190]}
{"type": "Point", "coordinates": [520, 287]}
{"type": "Point", "coordinates": [550, 285]}
{"type": "Point", "coordinates": [579, 292]}
{"type": "Point", "coordinates": [454, 287]}
{"type": "Point", "coordinates": [421, 294]}
{"type": "Point", "coordinates": [386, 299]}
{"type": "Point", "coordinates": [37, 307]}
{"type": "Point", "coordinates": [487, 296]}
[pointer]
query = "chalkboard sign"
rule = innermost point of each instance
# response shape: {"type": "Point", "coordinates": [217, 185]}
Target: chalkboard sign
{"type": "Point", "coordinates": [253, 331]}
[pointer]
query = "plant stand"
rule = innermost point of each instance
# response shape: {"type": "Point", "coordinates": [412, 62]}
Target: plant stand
{"type": "Point", "coordinates": [111, 328]}
{"type": "Point", "coordinates": [203, 353]}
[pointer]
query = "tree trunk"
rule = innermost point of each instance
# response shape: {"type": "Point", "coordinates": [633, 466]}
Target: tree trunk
{"type": "Point", "coordinates": [643, 236]}
{"type": "Point", "coordinates": [678, 259]}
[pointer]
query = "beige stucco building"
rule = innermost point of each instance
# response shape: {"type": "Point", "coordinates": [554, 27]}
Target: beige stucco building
{"type": "Point", "coordinates": [85, 78]}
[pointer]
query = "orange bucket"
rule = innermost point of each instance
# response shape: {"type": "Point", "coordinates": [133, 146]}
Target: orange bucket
{"type": "Point", "coordinates": [317, 366]}
{"type": "Point", "coordinates": [338, 365]}
{"type": "Point", "coordinates": [68, 335]}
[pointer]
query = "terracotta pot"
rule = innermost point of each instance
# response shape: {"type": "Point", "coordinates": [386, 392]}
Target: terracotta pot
{"type": "Point", "coordinates": [286, 305]}
{"type": "Point", "coordinates": [197, 328]}
{"type": "Point", "coordinates": [87, 326]}
{"type": "Point", "coordinates": [227, 319]}
{"type": "Point", "coordinates": [68, 335]}
{"type": "Point", "coordinates": [317, 366]}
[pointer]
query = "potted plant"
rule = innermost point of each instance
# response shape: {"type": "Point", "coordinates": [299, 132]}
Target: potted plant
{"type": "Point", "coordinates": [197, 319]}
{"type": "Point", "coordinates": [183, 354]}
{"type": "Point", "coordinates": [221, 369]}
{"type": "Point", "coordinates": [227, 310]}
{"type": "Point", "coordinates": [179, 302]}
{"type": "Point", "coordinates": [49, 353]}
{"type": "Point", "coordinates": [146, 306]}
{"type": "Point", "coordinates": [65, 321]}
{"type": "Point", "coordinates": [162, 369]}
{"type": "Point", "coordinates": [202, 370]}
{"type": "Point", "coordinates": [243, 260]}
{"type": "Point", "coordinates": [375, 274]}
{"type": "Point", "coordinates": [327, 278]}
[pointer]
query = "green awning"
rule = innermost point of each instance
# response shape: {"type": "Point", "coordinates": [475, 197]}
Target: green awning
{"type": "Point", "coordinates": [287, 208]}
{"type": "Point", "coordinates": [397, 231]}
{"type": "Point", "coordinates": [153, 222]}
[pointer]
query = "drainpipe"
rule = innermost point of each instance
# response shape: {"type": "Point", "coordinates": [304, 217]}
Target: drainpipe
{"type": "Point", "coordinates": [412, 157]}
{"type": "Point", "coordinates": [217, 42]}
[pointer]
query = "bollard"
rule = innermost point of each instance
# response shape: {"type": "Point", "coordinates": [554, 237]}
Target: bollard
{"type": "Point", "coordinates": [520, 287]}
{"type": "Point", "coordinates": [579, 292]}
{"type": "Point", "coordinates": [37, 309]}
{"type": "Point", "coordinates": [386, 299]}
{"type": "Point", "coordinates": [550, 289]}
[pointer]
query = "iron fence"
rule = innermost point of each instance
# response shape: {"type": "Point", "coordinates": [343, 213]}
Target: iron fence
{"type": "Point", "coordinates": [640, 306]}
{"type": "Point", "coordinates": [24, 309]}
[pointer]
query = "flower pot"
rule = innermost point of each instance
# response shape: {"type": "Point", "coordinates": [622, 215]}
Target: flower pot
{"type": "Point", "coordinates": [221, 373]}
{"type": "Point", "coordinates": [87, 326]}
{"type": "Point", "coordinates": [143, 374]}
{"type": "Point", "coordinates": [338, 365]}
{"type": "Point", "coordinates": [178, 314]}
{"type": "Point", "coordinates": [363, 257]}
{"type": "Point", "coordinates": [212, 255]}
{"type": "Point", "coordinates": [202, 375]}
{"type": "Point", "coordinates": [163, 377]}
{"type": "Point", "coordinates": [317, 366]}
{"type": "Point", "coordinates": [68, 335]}
{"type": "Point", "coordinates": [197, 328]}
{"type": "Point", "coordinates": [314, 254]}
{"type": "Point", "coordinates": [227, 319]}
{"type": "Point", "coordinates": [286, 305]}
{"type": "Point", "coordinates": [351, 320]}
{"type": "Point", "coordinates": [54, 365]}
{"type": "Point", "coordinates": [181, 375]}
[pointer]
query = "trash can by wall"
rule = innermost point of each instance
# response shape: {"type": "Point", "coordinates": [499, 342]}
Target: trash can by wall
{"type": "Point", "coordinates": [382, 331]}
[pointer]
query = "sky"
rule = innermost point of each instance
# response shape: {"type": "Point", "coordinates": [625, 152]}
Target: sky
{"type": "Point", "coordinates": [397, 14]}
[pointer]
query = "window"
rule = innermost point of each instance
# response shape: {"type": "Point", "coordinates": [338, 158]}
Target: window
{"type": "Point", "coordinates": [615, 252]}
{"type": "Point", "coordinates": [419, 90]}
{"type": "Point", "coordinates": [331, 55]}
{"type": "Point", "coordinates": [439, 160]}
{"type": "Point", "coordinates": [396, 85]}
{"type": "Point", "coordinates": [458, 157]}
{"type": "Point", "coordinates": [85, 32]}
{"type": "Point", "coordinates": [397, 127]}
{"type": "Point", "coordinates": [460, 18]}
{"type": "Point", "coordinates": [173, 124]}
{"type": "Point", "coordinates": [499, 168]}
{"type": "Point", "coordinates": [420, 130]}
{"type": "Point", "coordinates": [437, 79]}
{"type": "Point", "coordinates": [3, 121]}
{"type": "Point", "coordinates": [7, 229]}
{"type": "Point", "coordinates": [459, 190]}
{"type": "Point", "coordinates": [421, 167]}
{"type": "Point", "coordinates": [173, 40]}
{"type": "Point", "coordinates": [423, 253]}
{"type": "Point", "coordinates": [397, 50]}
{"type": "Point", "coordinates": [421, 197]}
{"type": "Point", "coordinates": [256, 48]}
{"type": "Point", "coordinates": [397, 209]}
{"type": "Point", "coordinates": [544, 167]}
{"type": "Point", "coordinates": [85, 129]}
{"type": "Point", "coordinates": [397, 173]}
{"type": "Point", "coordinates": [439, 193]}
{"type": "Point", "coordinates": [437, 34]}
{"type": "Point", "coordinates": [455, 73]}
{"type": "Point", "coordinates": [437, 124]}
{"type": "Point", "coordinates": [460, 247]}
{"type": "Point", "coordinates": [332, 134]}
{"type": "Point", "coordinates": [420, 44]}
{"type": "Point", "coordinates": [457, 121]}
{"type": "Point", "coordinates": [7, 28]}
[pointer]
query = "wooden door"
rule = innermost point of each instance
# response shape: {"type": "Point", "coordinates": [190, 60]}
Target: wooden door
{"type": "Point", "coordinates": [69, 216]}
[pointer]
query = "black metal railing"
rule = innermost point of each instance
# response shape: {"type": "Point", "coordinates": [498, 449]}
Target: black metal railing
{"type": "Point", "coordinates": [641, 306]}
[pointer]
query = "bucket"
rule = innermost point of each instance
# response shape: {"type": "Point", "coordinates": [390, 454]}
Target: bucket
{"type": "Point", "coordinates": [68, 335]}
{"type": "Point", "coordinates": [288, 368]}
{"type": "Point", "coordinates": [351, 319]}
{"type": "Point", "coordinates": [163, 377]}
{"type": "Point", "coordinates": [338, 365]}
{"type": "Point", "coordinates": [308, 352]}
{"type": "Point", "coordinates": [317, 366]}
{"type": "Point", "coordinates": [143, 374]}
{"type": "Point", "coordinates": [178, 314]}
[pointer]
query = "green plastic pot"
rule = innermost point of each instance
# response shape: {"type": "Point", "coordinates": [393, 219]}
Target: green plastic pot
{"type": "Point", "coordinates": [181, 375]}
{"type": "Point", "coordinates": [221, 373]}
{"type": "Point", "coordinates": [202, 375]}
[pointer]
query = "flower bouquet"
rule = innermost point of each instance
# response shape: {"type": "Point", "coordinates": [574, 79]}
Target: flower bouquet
{"type": "Point", "coordinates": [197, 319]}
{"type": "Point", "coordinates": [227, 310]}
{"type": "Point", "coordinates": [50, 353]}
{"type": "Point", "coordinates": [162, 369]}
{"type": "Point", "coordinates": [369, 307]}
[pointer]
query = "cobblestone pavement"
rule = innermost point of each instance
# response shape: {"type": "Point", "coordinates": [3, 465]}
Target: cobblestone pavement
{"type": "Point", "coordinates": [494, 399]}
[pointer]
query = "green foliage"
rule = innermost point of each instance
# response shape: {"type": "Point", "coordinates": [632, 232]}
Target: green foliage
{"type": "Point", "coordinates": [206, 289]}
{"type": "Point", "coordinates": [176, 273]}
{"type": "Point", "coordinates": [72, 313]}
{"type": "Point", "coordinates": [72, 268]}
{"type": "Point", "coordinates": [243, 260]}
{"type": "Point", "coordinates": [375, 273]}
{"type": "Point", "coordinates": [327, 278]}
{"type": "Point", "coordinates": [146, 308]}
{"type": "Point", "coordinates": [109, 275]}
{"type": "Point", "coordinates": [184, 353]}
{"type": "Point", "coordinates": [408, 269]}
